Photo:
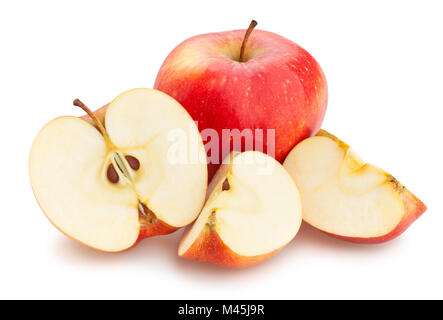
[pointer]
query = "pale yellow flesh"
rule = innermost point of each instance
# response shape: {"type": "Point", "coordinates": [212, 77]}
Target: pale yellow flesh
{"type": "Point", "coordinates": [341, 194]}
{"type": "Point", "coordinates": [69, 159]}
{"type": "Point", "coordinates": [261, 211]}
{"type": "Point", "coordinates": [174, 191]}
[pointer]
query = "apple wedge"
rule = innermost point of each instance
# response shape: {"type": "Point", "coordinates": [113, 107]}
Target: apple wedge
{"type": "Point", "coordinates": [346, 197]}
{"type": "Point", "coordinates": [253, 210]}
{"type": "Point", "coordinates": [111, 187]}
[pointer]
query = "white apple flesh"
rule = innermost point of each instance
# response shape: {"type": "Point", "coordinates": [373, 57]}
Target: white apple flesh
{"type": "Point", "coordinates": [346, 197]}
{"type": "Point", "coordinates": [253, 210]}
{"type": "Point", "coordinates": [110, 189]}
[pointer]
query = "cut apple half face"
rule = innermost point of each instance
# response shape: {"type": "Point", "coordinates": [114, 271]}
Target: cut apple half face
{"type": "Point", "coordinates": [346, 197]}
{"type": "Point", "coordinates": [253, 209]}
{"type": "Point", "coordinates": [109, 187]}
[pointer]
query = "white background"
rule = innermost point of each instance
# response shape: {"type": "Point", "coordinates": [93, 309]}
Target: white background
{"type": "Point", "coordinates": [383, 62]}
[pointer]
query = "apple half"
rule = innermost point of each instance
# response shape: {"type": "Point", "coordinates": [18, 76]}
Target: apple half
{"type": "Point", "coordinates": [346, 197]}
{"type": "Point", "coordinates": [253, 210]}
{"type": "Point", "coordinates": [110, 187]}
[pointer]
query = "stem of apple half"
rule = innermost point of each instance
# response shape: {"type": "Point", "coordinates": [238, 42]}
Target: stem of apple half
{"type": "Point", "coordinates": [121, 166]}
{"type": "Point", "coordinates": [251, 27]}
{"type": "Point", "coordinates": [97, 122]}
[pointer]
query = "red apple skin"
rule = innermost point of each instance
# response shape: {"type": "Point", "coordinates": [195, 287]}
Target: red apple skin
{"type": "Point", "coordinates": [208, 247]}
{"type": "Point", "coordinates": [280, 87]}
{"type": "Point", "coordinates": [414, 208]}
{"type": "Point", "coordinates": [156, 228]}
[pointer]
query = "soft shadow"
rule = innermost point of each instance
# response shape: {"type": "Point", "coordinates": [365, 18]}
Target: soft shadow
{"type": "Point", "coordinates": [164, 248]}
{"type": "Point", "coordinates": [161, 247]}
{"type": "Point", "coordinates": [203, 271]}
{"type": "Point", "coordinates": [308, 236]}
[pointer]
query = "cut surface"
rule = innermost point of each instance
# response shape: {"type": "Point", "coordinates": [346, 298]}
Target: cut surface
{"type": "Point", "coordinates": [67, 168]}
{"type": "Point", "coordinates": [171, 185]}
{"type": "Point", "coordinates": [341, 194]}
{"type": "Point", "coordinates": [253, 205]}
{"type": "Point", "coordinates": [92, 189]}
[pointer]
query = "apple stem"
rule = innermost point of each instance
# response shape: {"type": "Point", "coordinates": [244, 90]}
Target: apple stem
{"type": "Point", "coordinates": [97, 122]}
{"type": "Point", "coordinates": [245, 39]}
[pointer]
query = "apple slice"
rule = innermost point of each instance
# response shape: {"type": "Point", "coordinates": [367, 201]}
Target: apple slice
{"type": "Point", "coordinates": [346, 197]}
{"type": "Point", "coordinates": [110, 188]}
{"type": "Point", "coordinates": [252, 211]}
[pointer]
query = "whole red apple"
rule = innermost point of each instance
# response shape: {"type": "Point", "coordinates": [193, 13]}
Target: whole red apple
{"type": "Point", "coordinates": [247, 79]}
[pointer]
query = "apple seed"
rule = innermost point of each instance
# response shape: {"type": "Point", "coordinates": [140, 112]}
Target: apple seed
{"type": "Point", "coordinates": [112, 174]}
{"type": "Point", "coordinates": [133, 162]}
{"type": "Point", "coordinates": [225, 185]}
